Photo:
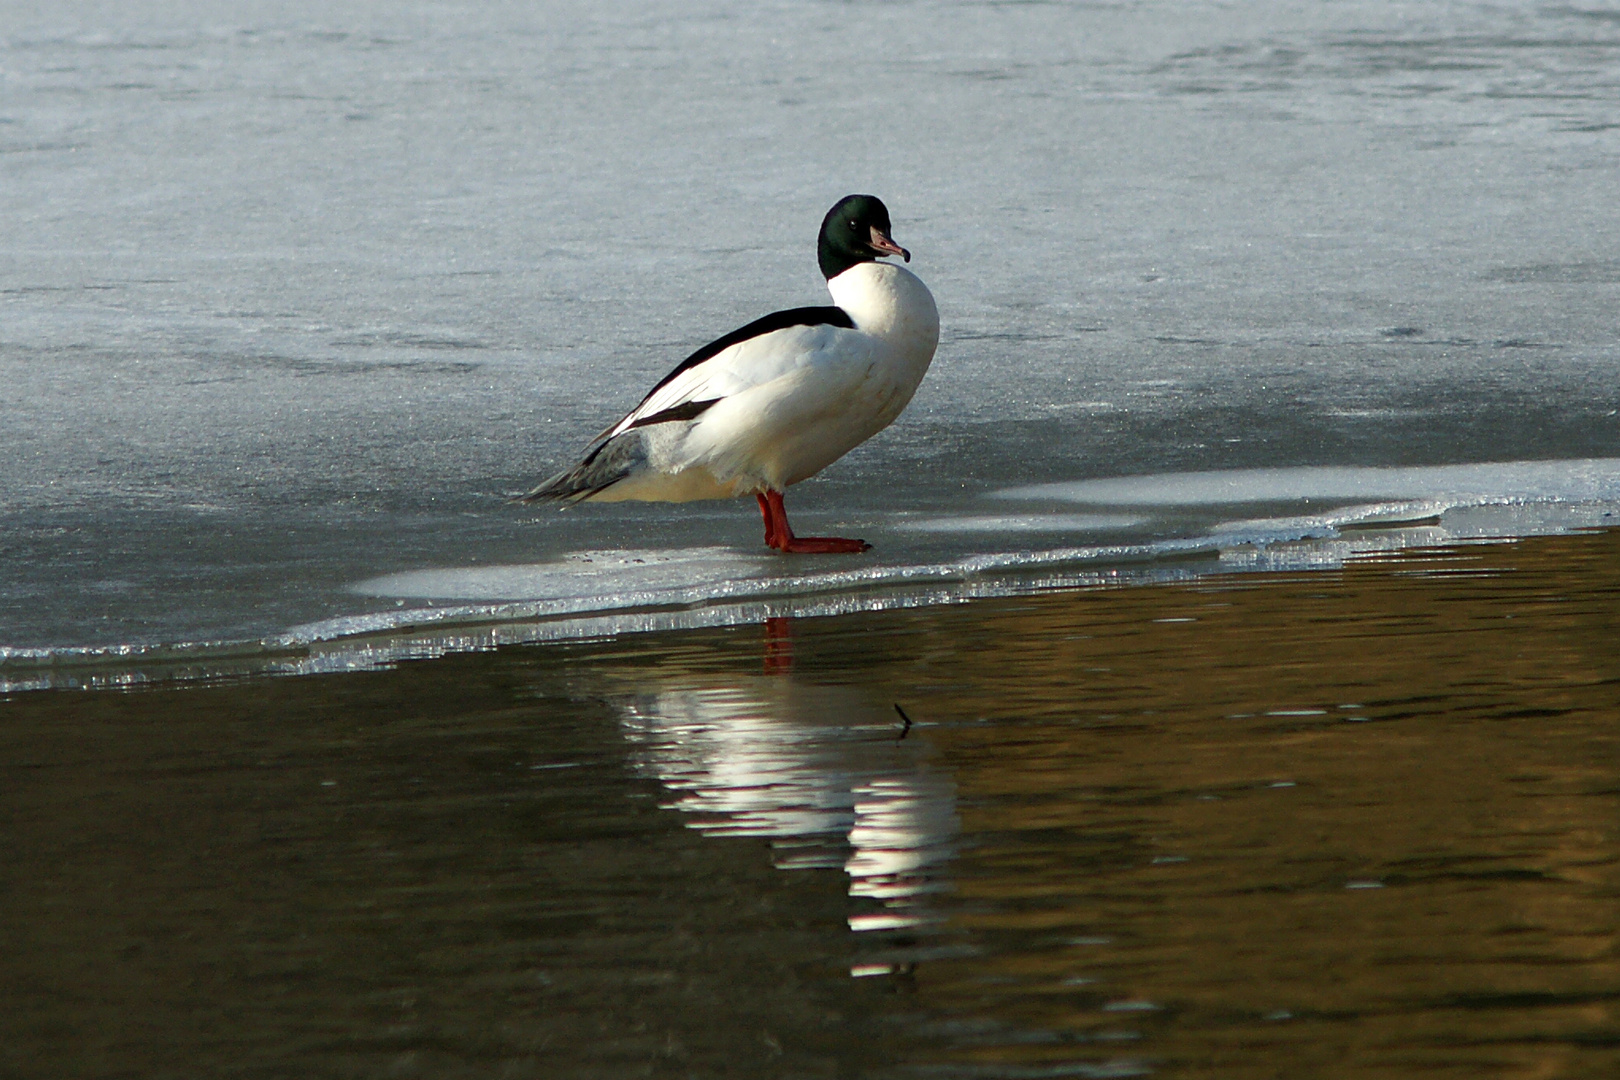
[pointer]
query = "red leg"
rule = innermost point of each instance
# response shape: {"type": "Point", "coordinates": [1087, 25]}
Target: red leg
{"type": "Point", "coordinates": [770, 523]}
{"type": "Point", "coordinates": [779, 534]}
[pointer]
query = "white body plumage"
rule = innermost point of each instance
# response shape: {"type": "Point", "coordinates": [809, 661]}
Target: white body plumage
{"type": "Point", "coordinates": [790, 402]}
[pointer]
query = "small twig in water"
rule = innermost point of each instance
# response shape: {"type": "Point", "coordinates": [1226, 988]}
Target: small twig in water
{"type": "Point", "coordinates": [904, 731]}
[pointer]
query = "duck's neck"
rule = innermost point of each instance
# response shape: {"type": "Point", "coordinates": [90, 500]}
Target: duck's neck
{"type": "Point", "coordinates": [886, 300]}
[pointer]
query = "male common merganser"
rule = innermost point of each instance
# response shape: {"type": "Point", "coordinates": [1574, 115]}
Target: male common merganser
{"type": "Point", "coordinates": [783, 397]}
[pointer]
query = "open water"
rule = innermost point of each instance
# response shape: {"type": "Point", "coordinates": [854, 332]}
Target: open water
{"type": "Point", "coordinates": [1353, 823]}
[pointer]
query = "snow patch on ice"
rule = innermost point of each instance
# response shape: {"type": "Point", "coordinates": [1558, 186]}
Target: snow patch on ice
{"type": "Point", "coordinates": [1019, 523]}
{"type": "Point", "coordinates": [578, 574]}
{"type": "Point", "coordinates": [1580, 480]}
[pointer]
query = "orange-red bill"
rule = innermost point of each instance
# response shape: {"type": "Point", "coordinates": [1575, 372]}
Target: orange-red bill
{"type": "Point", "coordinates": [882, 243]}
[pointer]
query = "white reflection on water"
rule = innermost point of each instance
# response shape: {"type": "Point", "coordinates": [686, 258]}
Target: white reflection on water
{"type": "Point", "coordinates": [819, 770]}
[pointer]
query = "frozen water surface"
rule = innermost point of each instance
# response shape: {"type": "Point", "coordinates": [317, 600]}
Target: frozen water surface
{"type": "Point", "coordinates": [293, 296]}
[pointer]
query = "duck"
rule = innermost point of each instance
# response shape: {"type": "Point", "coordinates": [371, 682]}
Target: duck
{"type": "Point", "coordinates": [778, 400]}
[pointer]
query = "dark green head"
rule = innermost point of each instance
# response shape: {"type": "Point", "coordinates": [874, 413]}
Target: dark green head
{"type": "Point", "coordinates": [855, 231]}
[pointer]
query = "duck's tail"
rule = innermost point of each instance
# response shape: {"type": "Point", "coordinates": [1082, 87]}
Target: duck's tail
{"type": "Point", "coordinates": [607, 463]}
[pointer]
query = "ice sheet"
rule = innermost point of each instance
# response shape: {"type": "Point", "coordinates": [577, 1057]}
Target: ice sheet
{"type": "Point", "coordinates": [292, 296]}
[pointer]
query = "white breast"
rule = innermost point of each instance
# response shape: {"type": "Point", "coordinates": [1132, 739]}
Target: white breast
{"type": "Point", "coordinates": [892, 303]}
{"type": "Point", "coordinates": [894, 309]}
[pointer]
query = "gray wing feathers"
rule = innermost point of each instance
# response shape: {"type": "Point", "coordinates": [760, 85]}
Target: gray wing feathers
{"type": "Point", "coordinates": [603, 467]}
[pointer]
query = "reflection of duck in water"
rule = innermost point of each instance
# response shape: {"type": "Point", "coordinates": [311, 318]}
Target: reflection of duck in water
{"type": "Point", "coordinates": [814, 768]}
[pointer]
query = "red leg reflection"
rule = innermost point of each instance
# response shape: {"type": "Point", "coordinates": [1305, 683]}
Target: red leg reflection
{"type": "Point", "coordinates": [778, 646]}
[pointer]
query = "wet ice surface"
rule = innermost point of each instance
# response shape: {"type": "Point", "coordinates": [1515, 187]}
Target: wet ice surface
{"type": "Point", "coordinates": [291, 300]}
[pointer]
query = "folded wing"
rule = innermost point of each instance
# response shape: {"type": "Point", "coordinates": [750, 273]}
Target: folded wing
{"type": "Point", "coordinates": [764, 350]}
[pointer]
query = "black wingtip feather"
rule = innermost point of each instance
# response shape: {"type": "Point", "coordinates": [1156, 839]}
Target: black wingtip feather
{"type": "Point", "coordinates": [603, 467]}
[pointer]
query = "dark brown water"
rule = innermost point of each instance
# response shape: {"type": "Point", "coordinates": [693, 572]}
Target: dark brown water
{"type": "Point", "coordinates": [1358, 823]}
